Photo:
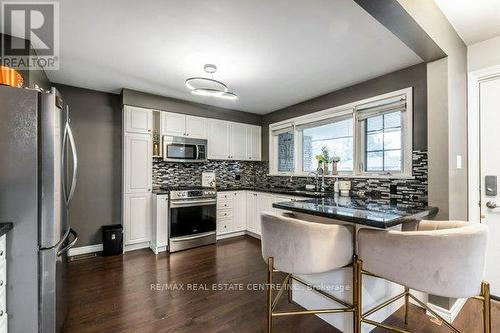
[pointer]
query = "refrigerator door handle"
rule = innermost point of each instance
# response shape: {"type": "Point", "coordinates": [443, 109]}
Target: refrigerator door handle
{"type": "Point", "coordinates": [70, 245]}
{"type": "Point", "coordinates": [68, 136]}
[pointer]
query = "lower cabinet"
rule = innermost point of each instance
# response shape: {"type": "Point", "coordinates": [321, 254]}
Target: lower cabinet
{"type": "Point", "coordinates": [3, 281]}
{"type": "Point", "coordinates": [258, 202]}
{"type": "Point", "coordinates": [231, 217]}
{"type": "Point", "coordinates": [137, 218]}
{"type": "Point", "coordinates": [159, 235]}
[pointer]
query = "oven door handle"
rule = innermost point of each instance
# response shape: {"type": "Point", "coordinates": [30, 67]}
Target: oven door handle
{"type": "Point", "coordinates": [205, 234]}
{"type": "Point", "coordinates": [191, 203]}
{"type": "Point", "coordinates": [197, 152]}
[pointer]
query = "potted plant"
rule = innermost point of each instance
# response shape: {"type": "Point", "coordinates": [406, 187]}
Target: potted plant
{"type": "Point", "coordinates": [335, 161]}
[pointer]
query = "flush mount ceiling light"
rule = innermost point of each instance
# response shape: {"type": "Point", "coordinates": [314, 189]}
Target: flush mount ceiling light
{"type": "Point", "coordinates": [205, 86]}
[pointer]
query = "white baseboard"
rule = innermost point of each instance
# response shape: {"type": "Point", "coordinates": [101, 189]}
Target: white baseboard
{"type": "Point", "coordinates": [76, 251]}
{"type": "Point", "coordinates": [158, 249]}
{"type": "Point", "coordinates": [230, 235]}
{"type": "Point", "coordinates": [137, 246]}
{"type": "Point", "coordinates": [451, 314]}
{"type": "Point", "coordinates": [254, 235]}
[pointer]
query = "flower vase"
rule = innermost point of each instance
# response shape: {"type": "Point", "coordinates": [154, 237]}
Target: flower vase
{"type": "Point", "coordinates": [325, 168]}
{"type": "Point", "coordinates": [334, 169]}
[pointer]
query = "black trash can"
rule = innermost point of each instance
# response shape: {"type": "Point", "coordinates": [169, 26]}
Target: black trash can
{"type": "Point", "coordinates": [112, 240]}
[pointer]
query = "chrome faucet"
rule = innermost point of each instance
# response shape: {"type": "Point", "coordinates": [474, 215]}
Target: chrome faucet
{"type": "Point", "coordinates": [317, 173]}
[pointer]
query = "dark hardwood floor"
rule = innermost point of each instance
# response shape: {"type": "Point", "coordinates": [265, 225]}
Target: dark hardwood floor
{"type": "Point", "coordinates": [129, 294]}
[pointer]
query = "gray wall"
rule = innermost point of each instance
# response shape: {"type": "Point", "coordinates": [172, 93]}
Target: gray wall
{"type": "Point", "coordinates": [137, 98]}
{"type": "Point", "coordinates": [415, 76]}
{"type": "Point", "coordinates": [97, 123]}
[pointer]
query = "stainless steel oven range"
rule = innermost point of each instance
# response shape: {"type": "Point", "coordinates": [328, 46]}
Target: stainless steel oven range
{"type": "Point", "coordinates": [193, 218]}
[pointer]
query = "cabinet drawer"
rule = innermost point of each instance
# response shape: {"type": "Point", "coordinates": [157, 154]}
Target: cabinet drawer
{"type": "Point", "coordinates": [3, 274]}
{"type": "Point", "coordinates": [225, 195]}
{"type": "Point", "coordinates": [2, 248]}
{"type": "Point", "coordinates": [225, 204]}
{"type": "Point", "coordinates": [3, 324]}
{"type": "Point", "coordinates": [224, 213]}
{"type": "Point", "coordinates": [223, 226]}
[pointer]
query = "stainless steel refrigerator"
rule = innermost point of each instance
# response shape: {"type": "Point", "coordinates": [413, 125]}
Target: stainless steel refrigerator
{"type": "Point", "coordinates": [38, 169]}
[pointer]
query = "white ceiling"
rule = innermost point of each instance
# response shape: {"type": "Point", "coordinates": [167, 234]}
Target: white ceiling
{"type": "Point", "coordinates": [474, 20]}
{"type": "Point", "coordinates": [272, 54]}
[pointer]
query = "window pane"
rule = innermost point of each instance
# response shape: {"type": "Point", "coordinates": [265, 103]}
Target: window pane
{"type": "Point", "coordinates": [285, 152]}
{"type": "Point", "coordinates": [383, 135]}
{"type": "Point", "coordinates": [392, 138]}
{"type": "Point", "coordinates": [375, 161]}
{"type": "Point", "coordinates": [374, 123]}
{"type": "Point", "coordinates": [336, 137]}
{"type": "Point", "coordinates": [392, 119]}
{"type": "Point", "coordinates": [374, 141]}
{"type": "Point", "coordinates": [392, 160]}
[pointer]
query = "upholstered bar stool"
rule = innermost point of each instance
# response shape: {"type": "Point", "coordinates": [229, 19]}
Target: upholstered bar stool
{"type": "Point", "coordinates": [296, 247]}
{"type": "Point", "coordinates": [443, 258]}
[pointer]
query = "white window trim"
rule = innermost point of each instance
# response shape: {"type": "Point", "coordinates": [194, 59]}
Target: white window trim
{"type": "Point", "coordinates": [339, 111]}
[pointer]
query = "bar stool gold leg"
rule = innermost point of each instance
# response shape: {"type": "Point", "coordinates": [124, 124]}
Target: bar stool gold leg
{"type": "Point", "coordinates": [485, 292]}
{"type": "Point", "coordinates": [407, 303]}
{"type": "Point", "coordinates": [270, 268]}
{"type": "Point", "coordinates": [289, 286]}
{"type": "Point", "coordinates": [357, 268]}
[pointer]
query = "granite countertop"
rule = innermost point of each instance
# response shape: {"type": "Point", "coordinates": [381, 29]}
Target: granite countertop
{"type": "Point", "coordinates": [5, 227]}
{"type": "Point", "coordinates": [361, 211]}
{"type": "Point", "coordinates": [286, 191]}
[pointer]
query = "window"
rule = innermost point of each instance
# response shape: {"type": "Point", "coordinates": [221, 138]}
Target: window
{"type": "Point", "coordinates": [383, 143]}
{"type": "Point", "coordinates": [372, 138]}
{"type": "Point", "coordinates": [336, 136]}
{"type": "Point", "coordinates": [285, 152]}
{"type": "Point", "coordinates": [385, 136]}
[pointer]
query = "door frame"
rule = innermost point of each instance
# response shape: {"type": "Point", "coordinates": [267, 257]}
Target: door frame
{"type": "Point", "coordinates": [474, 138]}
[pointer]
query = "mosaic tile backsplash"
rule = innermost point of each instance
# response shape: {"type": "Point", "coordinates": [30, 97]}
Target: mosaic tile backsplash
{"type": "Point", "coordinates": [238, 174]}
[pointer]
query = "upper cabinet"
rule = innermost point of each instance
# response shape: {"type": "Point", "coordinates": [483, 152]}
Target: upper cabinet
{"type": "Point", "coordinates": [176, 124]}
{"type": "Point", "coordinates": [253, 141]}
{"type": "Point", "coordinates": [238, 141]}
{"type": "Point", "coordinates": [138, 120]}
{"type": "Point", "coordinates": [233, 141]}
{"type": "Point", "coordinates": [218, 140]}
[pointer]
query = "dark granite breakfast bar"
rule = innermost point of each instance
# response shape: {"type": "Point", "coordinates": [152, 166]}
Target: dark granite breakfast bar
{"type": "Point", "coordinates": [362, 211]}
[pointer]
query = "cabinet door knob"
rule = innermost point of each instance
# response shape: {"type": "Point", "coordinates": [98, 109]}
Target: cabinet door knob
{"type": "Point", "coordinates": [149, 190]}
{"type": "Point", "coordinates": [1, 253]}
{"type": "Point", "coordinates": [1, 283]}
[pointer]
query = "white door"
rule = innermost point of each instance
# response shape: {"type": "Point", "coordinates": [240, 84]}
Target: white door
{"type": "Point", "coordinates": [196, 127]}
{"type": "Point", "coordinates": [238, 141]}
{"type": "Point", "coordinates": [138, 120]}
{"type": "Point", "coordinates": [218, 140]}
{"type": "Point", "coordinates": [490, 166]}
{"type": "Point", "coordinates": [254, 143]}
{"type": "Point", "coordinates": [137, 217]}
{"type": "Point", "coordinates": [138, 163]}
{"type": "Point", "coordinates": [173, 124]}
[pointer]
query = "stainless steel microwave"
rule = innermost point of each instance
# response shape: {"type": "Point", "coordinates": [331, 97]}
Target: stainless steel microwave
{"type": "Point", "coordinates": [179, 149]}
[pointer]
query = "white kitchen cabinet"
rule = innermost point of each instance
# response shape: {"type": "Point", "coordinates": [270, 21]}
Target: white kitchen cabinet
{"type": "Point", "coordinates": [176, 124]}
{"type": "Point", "coordinates": [3, 282]}
{"type": "Point", "coordinates": [252, 212]}
{"type": "Point", "coordinates": [218, 140]}
{"type": "Point", "coordinates": [196, 127]}
{"type": "Point", "coordinates": [238, 141]}
{"type": "Point", "coordinates": [159, 234]}
{"type": "Point", "coordinates": [239, 211]}
{"type": "Point", "coordinates": [138, 120]}
{"type": "Point", "coordinates": [233, 141]}
{"type": "Point", "coordinates": [138, 162]}
{"type": "Point", "coordinates": [137, 218]}
{"type": "Point", "coordinates": [253, 143]}
{"type": "Point", "coordinates": [173, 124]}
{"type": "Point", "coordinates": [231, 212]}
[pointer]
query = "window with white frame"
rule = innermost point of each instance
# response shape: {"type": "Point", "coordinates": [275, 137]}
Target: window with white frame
{"type": "Point", "coordinates": [372, 137]}
{"type": "Point", "coordinates": [334, 135]}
